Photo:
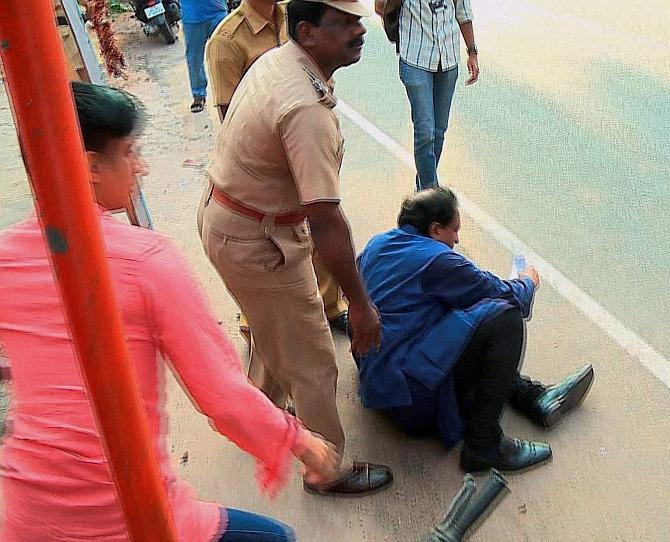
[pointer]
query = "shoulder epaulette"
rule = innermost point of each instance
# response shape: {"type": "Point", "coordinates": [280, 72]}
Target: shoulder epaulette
{"type": "Point", "coordinates": [231, 23]}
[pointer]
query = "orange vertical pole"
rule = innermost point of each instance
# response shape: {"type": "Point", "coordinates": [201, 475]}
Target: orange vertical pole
{"type": "Point", "coordinates": [53, 152]}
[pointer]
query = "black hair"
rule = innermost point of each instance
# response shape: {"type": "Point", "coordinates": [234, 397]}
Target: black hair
{"type": "Point", "coordinates": [106, 113]}
{"type": "Point", "coordinates": [303, 10]}
{"type": "Point", "coordinates": [428, 206]}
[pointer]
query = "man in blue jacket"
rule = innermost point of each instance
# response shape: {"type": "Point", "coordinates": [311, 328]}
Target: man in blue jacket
{"type": "Point", "coordinates": [453, 341]}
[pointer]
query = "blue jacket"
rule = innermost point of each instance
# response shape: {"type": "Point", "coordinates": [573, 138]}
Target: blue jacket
{"type": "Point", "coordinates": [431, 300]}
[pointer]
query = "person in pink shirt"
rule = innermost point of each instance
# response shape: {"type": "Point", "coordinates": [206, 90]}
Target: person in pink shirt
{"type": "Point", "coordinates": [56, 482]}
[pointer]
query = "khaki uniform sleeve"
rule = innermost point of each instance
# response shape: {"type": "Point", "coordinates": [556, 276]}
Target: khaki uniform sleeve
{"type": "Point", "coordinates": [314, 149]}
{"type": "Point", "coordinates": [225, 64]}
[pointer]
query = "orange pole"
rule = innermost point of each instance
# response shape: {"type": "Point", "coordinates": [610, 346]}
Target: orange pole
{"type": "Point", "coordinates": [53, 152]}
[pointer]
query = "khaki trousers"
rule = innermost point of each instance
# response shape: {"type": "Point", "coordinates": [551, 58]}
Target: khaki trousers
{"type": "Point", "coordinates": [269, 272]}
{"type": "Point", "coordinates": [331, 293]}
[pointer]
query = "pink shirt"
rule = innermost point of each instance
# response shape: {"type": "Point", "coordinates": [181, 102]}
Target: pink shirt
{"type": "Point", "coordinates": [56, 481]}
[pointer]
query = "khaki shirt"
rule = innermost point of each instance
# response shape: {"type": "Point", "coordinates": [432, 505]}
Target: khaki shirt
{"type": "Point", "coordinates": [236, 44]}
{"type": "Point", "coordinates": [280, 145]}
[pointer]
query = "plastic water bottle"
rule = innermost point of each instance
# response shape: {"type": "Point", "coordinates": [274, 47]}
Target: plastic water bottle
{"type": "Point", "coordinates": [518, 265]}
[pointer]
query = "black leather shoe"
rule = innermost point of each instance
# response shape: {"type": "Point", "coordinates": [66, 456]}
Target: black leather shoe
{"type": "Point", "coordinates": [558, 400]}
{"type": "Point", "coordinates": [511, 455]}
{"type": "Point", "coordinates": [362, 479]}
{"type": "Point", "coordinates": [341, 323]}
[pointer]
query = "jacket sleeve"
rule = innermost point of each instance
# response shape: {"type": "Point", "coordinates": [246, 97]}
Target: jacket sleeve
{"type": "Point", "coordinates": [460, 284]}
{"type": "Point", "coordinates": [209, 369]}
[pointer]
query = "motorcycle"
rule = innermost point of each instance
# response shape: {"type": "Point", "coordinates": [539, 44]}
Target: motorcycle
{"type": "Point", "coordinates": [158, 17]}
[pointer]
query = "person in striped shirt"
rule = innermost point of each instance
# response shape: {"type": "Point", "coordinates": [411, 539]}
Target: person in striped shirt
{"type": "Point", "coordinates": [429, 50]}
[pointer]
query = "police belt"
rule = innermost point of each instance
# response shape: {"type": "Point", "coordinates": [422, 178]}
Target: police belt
{"type": "Point", "coordinates": [288, 219]}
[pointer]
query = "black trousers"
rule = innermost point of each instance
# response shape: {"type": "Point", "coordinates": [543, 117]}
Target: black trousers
{"type": "Point", "coordinates": [487, 375]}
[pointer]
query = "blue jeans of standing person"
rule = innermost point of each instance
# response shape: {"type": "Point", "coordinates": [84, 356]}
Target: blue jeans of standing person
{"type": "Point", "coordinates": [430, 95]}
{"type": "Point", "coordinates": [196, 35]}
{"type": "Point", "coordinates": [248, 527]}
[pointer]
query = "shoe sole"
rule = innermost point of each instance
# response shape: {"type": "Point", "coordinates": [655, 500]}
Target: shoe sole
{"type": "Point", "coordinates": [522, 470]}
{"type": "Point", "coordinates": [315, 491]}
{"type": "Point", "coordinates": [580, 391]}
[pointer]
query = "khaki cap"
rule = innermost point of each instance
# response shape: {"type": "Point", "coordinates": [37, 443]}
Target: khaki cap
{"type": "Point", "coordinates": [348, 6]}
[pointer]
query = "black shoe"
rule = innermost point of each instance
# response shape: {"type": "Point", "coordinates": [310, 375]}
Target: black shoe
{"type": "Point", "coordinates": [470, 507]}
{"type": "Point", "coordinates": [362, 479]}
{"type": "Point", "coordinates": [341, 323]}
{"type": "Point", "coordinates": [560, 399]}
{"type": "Point", "coordinates": [511, 455]}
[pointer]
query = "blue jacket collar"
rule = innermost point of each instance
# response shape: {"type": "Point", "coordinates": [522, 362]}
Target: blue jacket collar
{"type": "Point", "coordinates": [412, 230]}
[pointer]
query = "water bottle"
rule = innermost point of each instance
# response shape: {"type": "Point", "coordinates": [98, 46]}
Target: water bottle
{"type": "Point", "coordinates": [518, 265]}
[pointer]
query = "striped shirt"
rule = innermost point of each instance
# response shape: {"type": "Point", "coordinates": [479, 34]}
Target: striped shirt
{"type": "Point", "coordinates": [430, 32]}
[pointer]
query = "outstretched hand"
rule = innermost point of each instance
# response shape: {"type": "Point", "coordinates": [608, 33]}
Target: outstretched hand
{"type": "Point", "coordinates": [532, 274]}
{"type": "Point", "coordinates": [320, 461]}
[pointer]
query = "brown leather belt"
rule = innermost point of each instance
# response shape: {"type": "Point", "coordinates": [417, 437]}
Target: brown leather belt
{"type": "Point", "coordinates": [288, 219]}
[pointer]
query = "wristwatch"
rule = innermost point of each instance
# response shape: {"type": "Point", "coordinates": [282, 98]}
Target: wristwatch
{"type": "Point", "coordinates": [472, 50]}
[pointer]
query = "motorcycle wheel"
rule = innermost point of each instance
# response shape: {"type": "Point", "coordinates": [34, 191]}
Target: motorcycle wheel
{"type": "Point", "coordinates": [166, 31]}
{"type": "Point", "coordinates": [164, 28]}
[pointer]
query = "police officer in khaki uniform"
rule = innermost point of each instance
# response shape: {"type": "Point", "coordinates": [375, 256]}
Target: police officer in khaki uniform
{"type": "Point", "coordinates": [276, 162]}
{"type": "Point", "coordinates": [251, 30]}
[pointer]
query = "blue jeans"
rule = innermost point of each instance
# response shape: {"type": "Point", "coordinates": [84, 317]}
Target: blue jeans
{"type": "Point", "coordinates": [430, 95]}
{"type": "Point", "coordinates": [196, 35]}
{"type": "Point", "coordinates": [248, 527]}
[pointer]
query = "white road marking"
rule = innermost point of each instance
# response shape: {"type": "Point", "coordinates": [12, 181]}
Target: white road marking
{"type": "Point", "coordinates": [627, 339]}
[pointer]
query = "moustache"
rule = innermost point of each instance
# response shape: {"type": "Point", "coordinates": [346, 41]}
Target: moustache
{"type": "Point", "coordinates": [358, 42]}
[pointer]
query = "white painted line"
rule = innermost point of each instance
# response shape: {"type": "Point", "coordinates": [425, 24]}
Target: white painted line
{"type": "Point", "coordinates": [627, 339]}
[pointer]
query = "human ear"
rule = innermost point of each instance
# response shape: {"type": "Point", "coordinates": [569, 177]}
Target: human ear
{"type": "Point", "coordinates": [93, 159]}
{"type": "Point", "coordinates": [305, 34]}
